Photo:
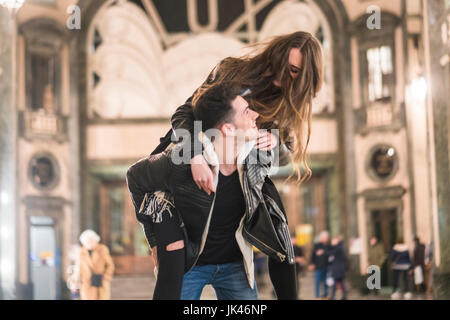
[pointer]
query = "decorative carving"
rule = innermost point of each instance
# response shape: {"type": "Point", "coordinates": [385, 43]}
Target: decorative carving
{"type": "Point", "coordinates": [213, 16]}
{"type": "Point", "coordinates": [42, 118]}
{"type": "Point", "coordinates": [382, 163]}
{"type": "Point", "coordinates": [43, 171]}
{"type": "Point", "coordinates": [142, 77]}
{"type": "Point", "coordinates": [42, 125]}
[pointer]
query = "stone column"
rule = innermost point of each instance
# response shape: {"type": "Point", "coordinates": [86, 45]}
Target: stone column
{"type": "Point", "coordinates": [8, 168]}
{"type": "Point", "coordinates": [437, 18]}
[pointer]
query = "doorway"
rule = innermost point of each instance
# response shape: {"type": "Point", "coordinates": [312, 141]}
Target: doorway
{"type": "Point", "coordinates": [385, 229]}
{"type": "Point", "coordinates": [120, 230]}
{"type": "Point", "coordinates": [45, 259]}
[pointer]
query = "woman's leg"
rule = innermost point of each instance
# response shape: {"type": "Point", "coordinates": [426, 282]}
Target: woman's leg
{"type": "Point", "coordinates": [396, 278]}
{"type": "Point", "coordinates": [333, 289]}
{"type": "Point", "coordinates": [283, 277]}
{"type": "Point", "coordinates": [323, 278]}
{"type": "Point", "coordinates": [171, 258]}
{"type": "Point", "coordinates": [317, 283]}
{"type": "Point", "coordinates": [405, 280]}
{"type": "Point", "coordinates": [344, 289]}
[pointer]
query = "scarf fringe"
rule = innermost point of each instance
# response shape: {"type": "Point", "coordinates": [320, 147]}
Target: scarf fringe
{"type": "Point", "coordinates": [157, 204]}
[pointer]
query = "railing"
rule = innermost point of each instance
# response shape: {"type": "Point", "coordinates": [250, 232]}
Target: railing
{"type": "Point", "coordinates": [42, 125]}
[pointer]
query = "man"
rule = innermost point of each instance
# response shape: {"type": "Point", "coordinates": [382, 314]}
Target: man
{"type": "Point", "coordinates": [337, 266]}
{"type": "Point", "coordinates": [299, 261]}
{"type": "Point", "coordinates": [319, 263]}
{"type": "Point", "coordinates": [376, 252]}
{"type": "Point", "coordinates": [217, 252]}
{"type": "Point", "coordinates": [429, 269]}
{"type": "Point", "coordinates": [376, 255]}
{"type": "Point", "coordinates": [418, 263]}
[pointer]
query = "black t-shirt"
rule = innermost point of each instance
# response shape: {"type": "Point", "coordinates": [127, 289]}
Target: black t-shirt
{"type": "Point", "coordinates": [221, 245]}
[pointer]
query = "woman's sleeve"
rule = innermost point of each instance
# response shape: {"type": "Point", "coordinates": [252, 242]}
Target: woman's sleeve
{"type": "Point", "coordinates": [183, 118]}
{"type": "Point", "coordinates": [109, 268]}
{"type": "Point", "coordinates": [147, 176]}
{"type": "Point", "coordinates": [282, 152]}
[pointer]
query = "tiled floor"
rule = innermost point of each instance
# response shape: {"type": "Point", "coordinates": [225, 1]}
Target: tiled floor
{"type": "Point", "coordinates": [141, 288]}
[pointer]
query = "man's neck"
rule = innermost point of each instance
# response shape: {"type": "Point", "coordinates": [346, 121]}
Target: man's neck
{"type": "Point", "coordinates": [226, 150]}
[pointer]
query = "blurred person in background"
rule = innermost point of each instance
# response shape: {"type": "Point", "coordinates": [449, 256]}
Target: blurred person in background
{"type": "Point", "coordinates": [95, 268]}
{"type": "Point", "coordinates": [338, 266]}
{"type": "Point", "coordinates": [400, 264]}
{"type": "Point", "coordinates": [319, 264]}
{"type": "Point", "coordinates": [299, 261]}
{"type": "Point", "coordinates": [377, 256]}
{"type": "Point", "coordinates": [73, 273]}
{"type": "Point", "coordinates": [418, 265]}
{"type": "Point", "coordinates": [429, 269]}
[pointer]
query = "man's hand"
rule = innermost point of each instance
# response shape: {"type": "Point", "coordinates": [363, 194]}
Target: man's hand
{"type": "Point", "coordinates": [155, 255]}
{"type": "Point", "coordinates": [266, 141]}
{"type": "Point", "coordinates": [202, 174]}
{"type": "Point", "coordinates": [311, 267]}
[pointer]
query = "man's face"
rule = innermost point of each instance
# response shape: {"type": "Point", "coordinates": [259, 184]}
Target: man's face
{"type": "Point", "coordinates": [334, 241]}
{"type": "Point", "coordinates": [90, 244]}
{"type": "Point", "coordinates": [244, 119]}
{"type": "Point", "coordinates": [324, 239]}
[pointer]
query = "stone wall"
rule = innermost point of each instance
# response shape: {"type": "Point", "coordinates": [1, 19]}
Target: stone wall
{"type": "Point", "coordinates": [7, 157]}
{"type": "Point", "coordinates": [439, 23]}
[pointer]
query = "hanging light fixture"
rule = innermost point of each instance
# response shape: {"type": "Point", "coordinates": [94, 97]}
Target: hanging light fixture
{"type": "Point", "coordinates": [12, 5]}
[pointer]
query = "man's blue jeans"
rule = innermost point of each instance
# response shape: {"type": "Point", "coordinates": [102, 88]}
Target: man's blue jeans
{"type": "Point", "coordinates": [229, 281]}
{"type": "Point", "coordinates": [320, 276]}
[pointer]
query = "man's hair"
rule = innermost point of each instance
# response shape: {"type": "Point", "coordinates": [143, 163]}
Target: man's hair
{"type": "Point", "coordinates": [213, 106]}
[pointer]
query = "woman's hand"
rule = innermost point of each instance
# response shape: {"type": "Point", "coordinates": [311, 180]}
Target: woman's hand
{"type": "Point", "coordinates": [266, 141]}
{"type": "Point", "coordinates": [202, 174]}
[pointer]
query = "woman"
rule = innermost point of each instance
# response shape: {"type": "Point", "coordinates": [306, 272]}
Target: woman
{"type": "Point", "coordinates": [338, 265]}
{"type": "Point", "coordinates": [400, 263]}
{"type": "Point", "coordinates": [96, 268]}
{"type": "Point", "coordinates": [284, 75]}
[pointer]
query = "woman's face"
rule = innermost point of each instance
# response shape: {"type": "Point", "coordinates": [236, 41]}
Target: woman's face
{"type": "Point", "coordinates": [90, 243]}
{"type": "Point", "coordinates": [295, 63]}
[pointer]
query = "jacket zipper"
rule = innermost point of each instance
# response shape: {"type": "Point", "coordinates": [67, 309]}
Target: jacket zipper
{"type": "Point", "coordinates": [284, 235]}
{"type": "Point", "coordinates": [279, 254]}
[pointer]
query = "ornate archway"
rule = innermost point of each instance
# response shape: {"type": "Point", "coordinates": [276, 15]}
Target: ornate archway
{"type": "Point", "coordinates": [146, 76]}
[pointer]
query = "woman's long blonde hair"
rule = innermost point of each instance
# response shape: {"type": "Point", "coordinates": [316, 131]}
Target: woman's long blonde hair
{"type": "Point", "coordinates": [288, 107]}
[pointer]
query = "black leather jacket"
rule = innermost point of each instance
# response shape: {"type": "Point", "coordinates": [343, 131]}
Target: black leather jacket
{"type": "Point", "coordinates": [159, 173]}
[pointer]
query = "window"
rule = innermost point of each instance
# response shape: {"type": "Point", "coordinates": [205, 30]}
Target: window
{"type": "Point", "coordinates": [380, 74]}
{"type": "Point", "coordinates": [43, 85]}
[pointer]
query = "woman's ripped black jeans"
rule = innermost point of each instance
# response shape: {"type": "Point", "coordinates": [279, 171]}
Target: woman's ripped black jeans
{"type": "Point", "coordinates": [171, 257]}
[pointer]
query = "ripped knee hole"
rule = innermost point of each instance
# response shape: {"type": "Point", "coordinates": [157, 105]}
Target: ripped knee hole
{"type": "Point", "coordinates": [175, 246]}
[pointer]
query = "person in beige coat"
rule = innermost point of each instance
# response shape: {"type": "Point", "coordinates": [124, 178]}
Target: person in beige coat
{"type": "Point", "coordinates": [95, 267]}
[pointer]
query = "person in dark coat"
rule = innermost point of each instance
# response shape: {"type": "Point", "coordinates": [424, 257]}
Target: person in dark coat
{"type": "Point", "coordinates": [338, 266]}
{"type": "Point", "coordinates": [319, 263]}
{"type": "Point", "coordinates": [418, 261]}
{"type": "Point", "coordinates": [400, 264]}
{"type": "Point", "coordinates": [299, 261]}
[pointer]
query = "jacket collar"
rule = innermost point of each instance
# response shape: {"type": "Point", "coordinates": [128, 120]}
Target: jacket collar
{"type": "Point", "coordinates": [211, 156]}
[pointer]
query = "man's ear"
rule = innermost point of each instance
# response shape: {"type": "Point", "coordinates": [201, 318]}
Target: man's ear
{"type": "Point", "coordinates": [227, 129]}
